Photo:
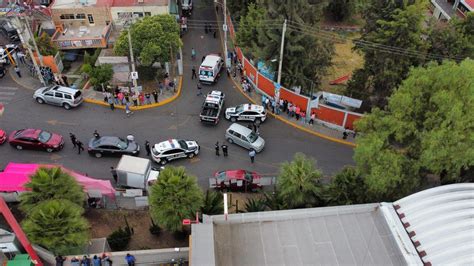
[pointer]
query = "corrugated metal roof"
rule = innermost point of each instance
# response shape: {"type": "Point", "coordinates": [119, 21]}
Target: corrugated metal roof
{"type": "Point", "coordinates": [440, 223]}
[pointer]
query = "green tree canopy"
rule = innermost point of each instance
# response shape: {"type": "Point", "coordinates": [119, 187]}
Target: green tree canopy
{"type": "Point", "coordinates": [45, 45]}
{"type": "Point", "coordinates": [153, 39]}
{"type": "Point", "coordinates": [51, 183]}
{"type": "Point", "coordinates": [57, 225]}
{"type": "Point", "coordinates": [427, 129]}
{"type": "Point", "coordinates": [99, 75]}
{"type": "Point", "coordinates": [249, 26]}
{"type": "Point", "coordinates": [341, 9]}
{"type": "Point", "coordinates": [298, 183]}
{"type": "Point", "coordinates": [213, 203]}
{"type": "Point", "coordinates": [174, 197]}
{"type": "Point", "coordinates": [346, 187]}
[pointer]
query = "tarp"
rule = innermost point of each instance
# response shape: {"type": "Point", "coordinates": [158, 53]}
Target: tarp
{"type": "Point", "coordinates": [16, 175]}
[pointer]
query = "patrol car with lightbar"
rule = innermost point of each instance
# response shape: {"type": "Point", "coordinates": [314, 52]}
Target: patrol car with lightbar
{"type": "Point", "coordinates": [173, 149]}
{"type": "Point", "coordinates": [246, 112]}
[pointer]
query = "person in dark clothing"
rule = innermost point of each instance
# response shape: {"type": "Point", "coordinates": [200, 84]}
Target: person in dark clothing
{"type": "Point", "coordinates": [155, 96]}
{"type": "Point", "coordinates": [130, 259]}
{"type": "Point", "coordinates": [344, 135]}
{"type": "Point", "coordinates": [147, 148]}
{"type": "Point", "coordinates": [224, 150]}
{"type": "Point", "coordinates": [114, 173]}
{"type": "Point", "coordinates": [60, 260]}
{"type": "Point", "coordinates": [86, 261]}
{"type": "Point", "coordinates": [17, 70]}
{"type": "Point", "coordinates": [194, 73]}
{"type": "Point", "coordinates": [80, 146]}
{"type": "Point", "coordinates": [214, 33]}
{"type": "Point", "coordinates": [217, 148]}
{"type": "Point", "coordinates": [65, 81]}
{"type": "Point", "coordinates": [73, 140]}
{"type": "Point", "coordinates": [96, 134]}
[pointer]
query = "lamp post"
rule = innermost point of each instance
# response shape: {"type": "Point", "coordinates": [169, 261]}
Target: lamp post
{"type": "Point", "coordinates": [225, 29]}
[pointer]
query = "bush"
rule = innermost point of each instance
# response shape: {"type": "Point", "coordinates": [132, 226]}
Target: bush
{"type": "Point", "coordinates": [154, 229]}
{"type": "Point", "coordinates": [181, 235]}
{"type": "Point", "coordinates": [119, 239]}
{"type": "Point", "coordinates": [91, 58]}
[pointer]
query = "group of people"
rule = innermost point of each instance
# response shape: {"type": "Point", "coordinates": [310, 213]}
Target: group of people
{"type": "Point", "coordinates": [103, 260]}
{"type": "Point", "coordinates": [291, 109]}
{"type": "Point", "coordinates": [225, 151]}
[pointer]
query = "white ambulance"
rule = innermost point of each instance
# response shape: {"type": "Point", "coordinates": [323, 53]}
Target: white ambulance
{"type": "Point", "coordinates": [210, 69]}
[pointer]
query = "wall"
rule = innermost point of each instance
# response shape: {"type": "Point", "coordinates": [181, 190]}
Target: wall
{"type": "Point", "coordinates": [154, 10]}
{"type": "Point", "coordinates": [101, 16]}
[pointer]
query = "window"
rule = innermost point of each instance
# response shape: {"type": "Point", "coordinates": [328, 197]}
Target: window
{"type": "Point", "coordinates": [90, 18]}
{"type": "Point", "coordinates": [49, 94]}
{"type": "Point", "coordinates": [67, 96]}
{"type": "Point", "coordinates": [67, 16]}
{"type": "Point", "coordinates": [44, 136]}
{"type": "Point", "coordinates": [58, 95]}
{"type": "Point", "coordinates": [80, 16]}
{"type": "Point", "coordinates": [137, 14]}
{"type": "Point", "coordinates": [147, 14]}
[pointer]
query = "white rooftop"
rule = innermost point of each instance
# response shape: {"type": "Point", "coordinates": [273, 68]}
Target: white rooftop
{"type": "Point", "coordinates": [58, 4]}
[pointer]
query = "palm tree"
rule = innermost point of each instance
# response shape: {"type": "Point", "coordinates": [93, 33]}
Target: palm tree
{"type": "Point", "coordinates": [298, 183]}
{"type": "Point", "coordinates": [174, 197]}
{"type": "Point", "coordinates": [57, 225]}
{"type": "Point", "coordinates": [255, 205]}
{"type": "Point", "coordinates": [213, 203]}
{"type": "Point", "coordinates": [347, 187]}
{"type": "Point", "coordinates": [51, 183]}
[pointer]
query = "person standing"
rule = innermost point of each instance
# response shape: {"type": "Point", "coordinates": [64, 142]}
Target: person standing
{"type": "Point", "coordinates": [199, 89]}
{"type": "Point", "coordinates": [344, 134]}
{"type": "Point", "coordinates": [148, 98]}
{"type": "Point", "coordinates": [217, 148]}
{"type": "Point", "coordinates": [106, 261]}
{"type": "Point", "coordinates": [96, 134]}
{"type": "Point", "coordinates": [147, 148]}
{"type": "Point", "coordinates": [130, 259]}
{"type": "Point", "coordinates": [193, 54]}
{"type": "Point", "coordinates": [60, 260]}
{"type": "Point", "coordinates": [17, 70]}
{"type": "Point", "coordinates": [21, 57]}
{"type": "Point", "coordinates": [214, 33]}
{"type": "Point", "coordinates": [80, 146]}
{"type": "Point", "coordinates": [252, 154]}
{"type": "Point", "coordinates": [114, 174]}
{"type": "Point", "coordinates": [155, 95]}
{"type": "Point", "coordinates": [127, 109]}
{"type": "Point", "coordinates": [96, 261]}
{"type": "Point", "coordinates": [75, 261]}
{"type": "Point", "coordinates": [224, 150]}
{"type": "Point", "coordinates": [86, 261]}
{"type": "Point", "coordinates": [194, 73]}
{"type": "Point", "coordinates": [311, 119]}
{"type": "Point", "coordinates": [111, 103]}
{"type": "Point", "coordinates": [73, 140]}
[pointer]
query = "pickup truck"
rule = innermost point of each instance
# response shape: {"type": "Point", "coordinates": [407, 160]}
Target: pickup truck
{"type": "Point", "coordinates": [212, 107]}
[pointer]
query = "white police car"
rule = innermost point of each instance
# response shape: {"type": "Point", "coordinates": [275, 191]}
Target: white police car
{"type": "Point", "coordinates": [172, 149]}
{"type": "Point", "coordinates": [246, 112]}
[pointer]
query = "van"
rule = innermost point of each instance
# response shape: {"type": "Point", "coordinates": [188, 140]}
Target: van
{"type": "Point", "coordinates": [210, 69]}
{"type": "Point", "coordinates": [244, 137]}
{"type": "Point", "coordinates": [59, 95]}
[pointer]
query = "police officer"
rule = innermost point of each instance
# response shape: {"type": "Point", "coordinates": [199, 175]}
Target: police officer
{"type": "Point", "coordinates": [224, 150]}
{"type": "Point", "coordinates": [217, 148]}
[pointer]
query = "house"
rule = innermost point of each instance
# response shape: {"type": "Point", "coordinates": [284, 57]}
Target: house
{"type": "Point", "coordinates": [122, 10]}
{"type": "Point", "coordinates": [81, 23]}
{"type": "Point", "coordinates": [447, 9]}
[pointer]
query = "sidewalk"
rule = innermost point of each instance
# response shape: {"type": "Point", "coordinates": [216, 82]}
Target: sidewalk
{"type": "Point", "coordinates": [26, 81]}
{"type": "Point", "coordinates": [318, 129]}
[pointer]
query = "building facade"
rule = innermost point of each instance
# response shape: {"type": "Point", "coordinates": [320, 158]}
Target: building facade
{"type": "Point", "coordinates": [448, 9]}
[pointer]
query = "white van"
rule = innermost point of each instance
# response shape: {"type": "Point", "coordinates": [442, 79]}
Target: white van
{"type": "Point", "coordinates": [210, 68]}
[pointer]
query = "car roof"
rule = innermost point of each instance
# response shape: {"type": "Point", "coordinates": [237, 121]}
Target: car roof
{"type": "Point", "coordinates": [211, 60]}
{"type": "Point", "coordinates": [252, 107]}
{"type": "Point", "coordinates": [106, 140]}
{"type": "Point", "coordinates": [239, 128]}
{"type": "Point", "coordinates": [167, 145]}
{"type": "Point", "coordinates": [236, 174]}
{"type": "Point", "coordinates": [30, 132]}
{"type": "Point", "coordinates": [64, 89]}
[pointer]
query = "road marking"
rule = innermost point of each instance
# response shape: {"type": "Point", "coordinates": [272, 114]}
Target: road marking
{"type": "Point", "coordinates": [5, 98]}
{"type": "Point", "coordinates": [56, 122]}
{"type": "Point", "coordinates": [7, 93]}
{"type": "Point", "coordinates": [8, 88]}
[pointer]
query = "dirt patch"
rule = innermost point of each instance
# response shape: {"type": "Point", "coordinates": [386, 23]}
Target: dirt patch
{"type": "Point", "coordinates": [104, 222]}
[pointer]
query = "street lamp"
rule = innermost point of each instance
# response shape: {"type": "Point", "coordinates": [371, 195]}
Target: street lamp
{"type": "Point", "coordinates": [224, 28]}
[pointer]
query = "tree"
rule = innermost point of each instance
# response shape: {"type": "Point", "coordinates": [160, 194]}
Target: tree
{"type": "Point", "coordinates": [238, 8]}
{"type": "Point", "coordinates": [154, 39]}
{"type": "Point", "coordinates": [57, 225]}
{"type": "Point", "coordinates": [174, 197]}
{"type": "Point", "coordinates": [347, 187]}
{"type": "Point", "coordinates": [389, 23]}
{"type": "Point", "coordinates": [249, 26]}
{"type": "Point", "coordinates": [341, 9]}
{"type": "Point", "coordinates": [255, 205]}
{"type": "Point", "coordinates": [48, 184]}
{"type": "Point", "coordinates": [426, 129]}
{"type": "Point", "coordinates": [99, 75]}
{"type": "Point", "coordinates": [45, 45]}
{"type": "Point", "coordinates": [298, 183]}
{"type": "Point", "coordinates": [213, 203]}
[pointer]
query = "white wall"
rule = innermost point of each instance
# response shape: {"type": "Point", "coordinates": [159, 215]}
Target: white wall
{"type": "Point", "coordinates": [154, 10]}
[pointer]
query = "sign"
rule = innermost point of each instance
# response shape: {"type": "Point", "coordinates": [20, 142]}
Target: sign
{"type": "Point", "coordinates": [224, 27]}
{"type": "Point", "coordinates": [277, 91]}
{"type": "Point", "coordinates": [134, 75]}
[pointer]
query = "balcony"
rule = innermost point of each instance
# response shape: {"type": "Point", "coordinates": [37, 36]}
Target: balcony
{"type": "Point", "coordinates": [447, 9]}
{"type": "Point", "coordinates": [80, 37]}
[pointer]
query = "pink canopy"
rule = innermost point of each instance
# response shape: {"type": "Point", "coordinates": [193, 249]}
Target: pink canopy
{"type": "Point", "coordinates": [16, 175]}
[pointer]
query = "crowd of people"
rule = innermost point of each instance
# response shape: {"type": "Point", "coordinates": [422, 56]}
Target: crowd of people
{"type": "Point", "coordinates": [292, 110]}
{"type": "Point", "coordinates": [103, 260]}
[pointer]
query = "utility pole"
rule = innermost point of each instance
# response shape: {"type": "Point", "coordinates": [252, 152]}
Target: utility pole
{"type": "Point", "coordinates": [135, 84]}
{"type": "Point", "coordinates": [281, 52]}
{"type": "Point", "coordinates": [225, 35]}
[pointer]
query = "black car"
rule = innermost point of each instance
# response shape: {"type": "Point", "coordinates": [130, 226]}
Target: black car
{"type": "Point", "coordinates": [112, 146]}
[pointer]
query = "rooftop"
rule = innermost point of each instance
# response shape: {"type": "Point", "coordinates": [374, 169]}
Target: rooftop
{"type": "Point", "coordinates": [123, 3]}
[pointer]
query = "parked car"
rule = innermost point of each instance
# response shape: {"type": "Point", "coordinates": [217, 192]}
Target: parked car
{"type": "Point", "coordinates": [3, 137]}
{"type": "Point", "coordinates": [233, 180]}
{"type": "Point", "coordinates": [59, 95]}
{"type": "Point", "coordinates": [173, 149]}
{"type": "Point", "coordinates": [246, 112]}
{"type": "Point", "coordinates": [244, 137]}
{"type": "Point", "coordinates": [36, 139]}
{"type": "Point", "coordinates": [112, 146]}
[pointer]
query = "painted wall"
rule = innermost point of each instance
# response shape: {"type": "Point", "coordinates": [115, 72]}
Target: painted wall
{"type": "Point", "coordinates": [329, 115]}
{"type": "Point", "coordinates": [266, 85]}
{"type": "Point", "coordinates": [351, 118]}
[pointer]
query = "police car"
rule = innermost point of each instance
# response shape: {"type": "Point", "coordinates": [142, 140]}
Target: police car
{"type": "Point", "coordinates": [246, 112]}
{"type": "Point", "coordinates": [172, 149]}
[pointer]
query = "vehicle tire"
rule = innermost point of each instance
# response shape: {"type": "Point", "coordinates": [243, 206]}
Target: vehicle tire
{"type": "Point", "coordinates": [39, 100]}
{"type": "Point", "coordinates": [66, 106]}
{"type": "Point", "coordinates": [98, 155]}
{"type": "Point", "coordinates": [163, 161]}
{"type": "Point", "coordinates": [191, 155]}
{"type": "Point", "coordinates": [233, 119]}
{"type": "Point", "coordinates": [49, 150]}
{"type": "Point", "coordinates": [230, 140]}
{"type": "Point", "coordinates": [19, 147]}
{"type": "Point", "coordinates": [258, 121]}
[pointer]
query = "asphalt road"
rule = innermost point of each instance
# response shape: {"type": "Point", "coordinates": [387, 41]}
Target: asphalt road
{"type": "Point", "coordinates": [178, 119]}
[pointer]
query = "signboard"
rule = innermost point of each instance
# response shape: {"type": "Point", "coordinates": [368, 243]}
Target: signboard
{"type": "Point", "coordinates": [339, 99]}
{"type": "Point", "coordinates": [134, 75]}
{"type": "Point", "coordinates": [224, 27]}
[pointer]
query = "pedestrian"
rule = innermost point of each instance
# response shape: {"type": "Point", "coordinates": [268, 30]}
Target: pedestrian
{"type": "Point", "coordinates": [114, 173]}
{"type": "Point", "coordinates": [344, 134]}
{"type": "Point", "coordinates": [147, 148]}
{"type": "Point", "coordinates": [86, 261]}
{"type": "Point", "coordinates": [17, 70]}
{"type": "Point", "coordinates": [130, 259]}
{"type": "Point", "coordinates": [96, 261]}
{"type": "Point", "coordinates": [21, 57]}
{"type": "Point", "coordinates": [127, 110]}
{"type": "Point", "coordinates": [111, 103]}
{"type": "Point", "coordinates": [206, 28]}
{"type": "Point", "coordinates": [106, 261]}
{"type": "Point", "coordinates": [135, 99]}
{"type": "Point", "coordinates": [73, 140]}
{"type": "Point", "coordinates": [80, 146]}
{"type": "Point", "coordinates": [224, 150]}
{"type": "Point", "coordinates": [60, 260]}
{"type": "Point", "coordinates": [193, 54]}
{"type": "Point", "coordinates": [130, 138]}
{"type": "Point", "coordinates": [96, 134]}
{"type": "Point", "coordinates": [160, 87]}
{"type": "Point", "coordinates": [217, 148]}
{"type": "Point", "coordinates": [273, 103]}
{"type": "Point", "coordinates": [298, 112]}
{"type": "Point", "coordinates": [155, 95]}
{"type": "Point", "coordinates": [148, 98]}
{"type": "Point", "coordinates": [252, 154]}
{"type": "Point", "coordinates": [194, 73]}
{"type": "Point", "coordinates": [199, 89]}
{"type": "Point", "coordinates": [214, 33]}
{"type": "Point", "coordinates": [66, 83]}
{"type": "Point", "coordinates": [141, 98]}
{"type": "Point", "coordinates": [75, 261]}
{"type": "Point", "coordinates": [303, 116]}
{"type": "Point", "coordinates": [217, 8]}
{"type": "Point", "coordinates": [116, 98]}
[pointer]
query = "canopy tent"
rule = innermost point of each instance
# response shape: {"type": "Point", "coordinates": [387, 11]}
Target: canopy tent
{"type": "Point", "coordinates": [16, 175]}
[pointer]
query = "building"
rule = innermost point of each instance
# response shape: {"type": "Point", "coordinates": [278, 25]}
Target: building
{"type": "Point", "coordinates": [81, 23]}
{"type": "Point", "coordinates": [122, 10]}
{"type": "Point", "coordinates": [448, 9]}
{"type": "Point", "coordinates": [431, 227]}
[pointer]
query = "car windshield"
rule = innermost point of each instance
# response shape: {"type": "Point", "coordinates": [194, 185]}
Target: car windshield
{"type": "Point", "coordinates": [122, 144]}
{"type": "Point", "coordinates": [252, 137]}
{"type": "Point", "coordinates": [239, 108]}
{"type": "Point", "coordinates": [48, 88]}
{"type": "Point", "coordinates": [44, 136]}
{"type": "Point", "coordinates": [183, 144]}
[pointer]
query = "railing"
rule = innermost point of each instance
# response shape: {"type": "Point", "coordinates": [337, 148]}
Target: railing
{"type": "Point", "coordinates": [85, 42]}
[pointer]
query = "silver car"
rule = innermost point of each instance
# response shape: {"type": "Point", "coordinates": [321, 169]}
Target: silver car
{"type": "Point", "coordinates": [244, 137]}
{"type": "Point", "coordinates": [59, 95]}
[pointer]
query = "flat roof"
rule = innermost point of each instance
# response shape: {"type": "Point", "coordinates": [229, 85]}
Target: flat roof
{"type": "Point", "coordinates": [123, 3]}
{"type": "Point", "coordinates": [342, 235]}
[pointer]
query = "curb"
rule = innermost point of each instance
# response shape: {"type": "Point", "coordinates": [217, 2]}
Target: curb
{"type": "Point", "coordinates": [347, 143]}
{"type": "Point", "coordinates": [15, 79]}
{"type": "Point", "coordinates": [142, 107]}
